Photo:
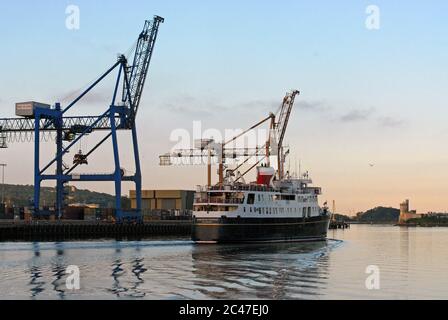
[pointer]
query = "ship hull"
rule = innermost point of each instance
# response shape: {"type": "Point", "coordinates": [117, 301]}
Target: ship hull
{"type": "Point", "coordinates": [251, 230]}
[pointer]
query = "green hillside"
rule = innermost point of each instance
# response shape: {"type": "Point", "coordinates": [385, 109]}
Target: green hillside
{"type": "Point", "coordinates": [22, 195]}
{"type": "Point", "coordinates": [379, 214]}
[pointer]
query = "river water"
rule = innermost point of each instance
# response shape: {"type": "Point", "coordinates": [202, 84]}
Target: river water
{"type": "Point", "coordinates": [407, 263]}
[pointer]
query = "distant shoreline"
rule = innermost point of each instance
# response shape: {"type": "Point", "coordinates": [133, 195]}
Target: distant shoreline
{"type": "Point", "coordinates": [409, 224]}
{"type": "Point", "coordinates": [372, 222]}
{"type": "Point", "coordinates": [423, 225]}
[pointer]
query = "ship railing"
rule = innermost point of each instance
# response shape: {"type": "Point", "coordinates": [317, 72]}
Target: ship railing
{"type": "Point", "coordinates": [240, 188]}
{"type": "Point", "coordinates": [218, 201]}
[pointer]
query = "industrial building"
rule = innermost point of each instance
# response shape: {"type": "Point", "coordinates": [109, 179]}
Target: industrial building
{"type": "Point", "coordinates": [180, 201]}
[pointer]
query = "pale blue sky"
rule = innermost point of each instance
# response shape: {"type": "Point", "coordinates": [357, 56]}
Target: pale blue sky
{"type": "Point", "coordinates": [367, 96]}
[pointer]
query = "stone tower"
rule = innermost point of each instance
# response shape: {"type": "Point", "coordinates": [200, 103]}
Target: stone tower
{"type": "Point", "coordinates": [406, 214]}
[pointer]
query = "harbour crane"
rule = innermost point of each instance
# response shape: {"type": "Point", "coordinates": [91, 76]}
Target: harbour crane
{"type": "Point", "coordinates": [69, 130]}
{"type": "Point", "coordinates": [209, 149]}
{"type": "Point", "coordinates": [221, 152]}
{"type": "Point", "coordinates": [280, 130]}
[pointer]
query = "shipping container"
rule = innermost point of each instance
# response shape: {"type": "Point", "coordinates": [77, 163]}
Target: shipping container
{"type": "Point", "coordinates": [26, 109]}
{"type": "Point", "coordinates": [170, 194]}
{"type": "Point", "coordinates": [73, 213]}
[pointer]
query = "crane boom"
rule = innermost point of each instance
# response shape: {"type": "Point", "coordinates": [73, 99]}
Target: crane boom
{"type": "Point", "coordinates": [10, 125]}
{"type": "Point", "coordinates": [281, 125]}
{"type": "Point", "coordinates": [136, 73]}
{"type": "Point", "coordinates": [285, 113]}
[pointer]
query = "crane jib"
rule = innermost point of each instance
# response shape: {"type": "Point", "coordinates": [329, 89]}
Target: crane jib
{"type": "Point", "coordinates": [138, 71]}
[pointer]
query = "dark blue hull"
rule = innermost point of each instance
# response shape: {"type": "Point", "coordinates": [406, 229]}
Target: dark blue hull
{"type": "Point", "coordinates": [248, 230]}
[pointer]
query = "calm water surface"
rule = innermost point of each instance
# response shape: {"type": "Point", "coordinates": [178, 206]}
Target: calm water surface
{"type": "Point", "coordinates": [413, 264]}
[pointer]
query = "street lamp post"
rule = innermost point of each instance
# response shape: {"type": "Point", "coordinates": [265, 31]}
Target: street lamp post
{"type": "Point", "coordinates": [3, 165]}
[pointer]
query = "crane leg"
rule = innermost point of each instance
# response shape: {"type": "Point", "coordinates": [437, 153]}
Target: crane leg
{"type": "Point", "coordinates": [137, 176]}
{"type": "Point", "coordinates": [59, 166]}
{"type": "Point", "coordinates": [36, 165]}
{"type": "Point", "coordinates": [118, 173]}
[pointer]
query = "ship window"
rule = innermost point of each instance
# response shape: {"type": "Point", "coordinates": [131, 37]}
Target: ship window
{"type": "Point", "coordinates": [309, 211]}
{"type": "Point", "coordinates": [244, 209]}
{"type": "Point", "coordinates": [304, 211]}
{"type": "Point", "coordinates": [250, 198]}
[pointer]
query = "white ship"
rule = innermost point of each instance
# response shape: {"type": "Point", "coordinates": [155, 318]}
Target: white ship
{"type": "Point", "coordinates": [271, 211]}
{"type": "Point", "coordinates": [277, 207]}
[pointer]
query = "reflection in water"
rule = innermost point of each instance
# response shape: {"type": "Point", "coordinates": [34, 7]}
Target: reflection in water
{"type": "Point", "coordinates": [138, 269]}
{"type": "Point", "coordinates": [117, 272]}
{"type": "Point", "coordinates": [270, 271]}
{"type": "Point", "coordinates": [36, 249]}
{"type": "Point", "coordinates": [58, 270]}
{"type": "Point", "coordinates": [413, 265]}
{"type": "Point", "coordinates": [37, 284]}
{"type": "Point", "coordinates": [59, 283]}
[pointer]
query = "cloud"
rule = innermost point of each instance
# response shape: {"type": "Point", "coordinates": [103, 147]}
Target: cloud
{"type": "Point", "coordinates": [94, 45]}
{"type": "Point", "coordinates": [357, 115]}
{"type": "Point", "coordinates": [189, 105]}
{"type": "Point", "coordinates": [317, 106]}
{"type": "Point", "coordinates": [259, 104]}
{"type": "Point", "coordinates": [93, 97]}
{"type": "Point", "coordinates": [390, 122]}
{"type": "Point", "coordinates": [206, 107]}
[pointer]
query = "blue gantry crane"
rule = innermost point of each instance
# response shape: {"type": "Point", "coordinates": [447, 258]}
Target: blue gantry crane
{"type": "Point", "coordinates": [69, 130]}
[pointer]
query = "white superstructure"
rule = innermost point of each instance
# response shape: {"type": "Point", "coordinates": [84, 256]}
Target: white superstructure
{"type": "Point", "coordinates": [289, 198]}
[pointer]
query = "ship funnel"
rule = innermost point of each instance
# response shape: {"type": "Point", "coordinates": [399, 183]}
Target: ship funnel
{"type": "Point", "coordinates": [265, 175]}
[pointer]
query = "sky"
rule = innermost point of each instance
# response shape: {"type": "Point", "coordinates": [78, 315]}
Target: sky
{"type": "Point", "coordinates": [368, 96]}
